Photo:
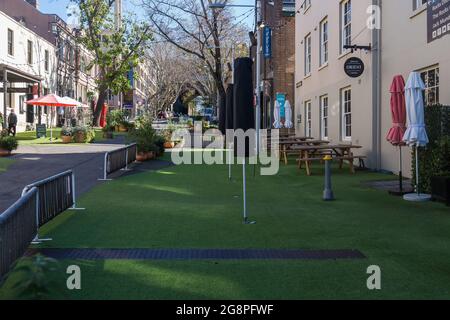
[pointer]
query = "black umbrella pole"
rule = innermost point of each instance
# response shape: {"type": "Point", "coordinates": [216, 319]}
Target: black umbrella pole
{"type": "Point", "coordinates": [401, 171]}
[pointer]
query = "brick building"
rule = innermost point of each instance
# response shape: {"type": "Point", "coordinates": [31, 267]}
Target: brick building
{"type": "Point", "coordinates": [278, 70]}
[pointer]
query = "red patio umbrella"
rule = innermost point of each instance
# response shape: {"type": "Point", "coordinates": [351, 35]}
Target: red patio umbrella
{"type": "Point", "coordinates": [398, 111]}
{"type": "Point", "coordinates": [51, 100]}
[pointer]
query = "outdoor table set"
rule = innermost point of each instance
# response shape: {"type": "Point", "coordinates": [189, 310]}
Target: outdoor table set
{"type": "Point", "coordinates": [340, 152]}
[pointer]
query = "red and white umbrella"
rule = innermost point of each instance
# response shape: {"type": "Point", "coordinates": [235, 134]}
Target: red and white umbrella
{"type": "Point", "coordinates": [398, 129]}
{"type": "Point", "coordinates": [52, 100]}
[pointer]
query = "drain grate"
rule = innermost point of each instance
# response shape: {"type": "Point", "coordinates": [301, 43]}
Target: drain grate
{"type": "Point", "coordinates": [197, 254]}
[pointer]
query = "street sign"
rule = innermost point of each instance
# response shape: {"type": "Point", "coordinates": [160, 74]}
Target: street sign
{"type": "Point", "coordinates": [281, 98]}
{"type": "Point", "coordinates": [267, 42]}
{"type": "Point", "coordinates": [438, 19]}
{"type": "Point", "coordinates": [354, 67]}
{"type": "Point", "coordinates": [41, 131]}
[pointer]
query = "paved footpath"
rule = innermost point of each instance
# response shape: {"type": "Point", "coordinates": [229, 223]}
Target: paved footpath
{"type": "Point", "coordinates": [37, 162]}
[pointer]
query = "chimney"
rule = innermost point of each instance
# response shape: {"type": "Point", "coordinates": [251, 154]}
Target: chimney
{"type": "Point", "coordinates": [34, 3]}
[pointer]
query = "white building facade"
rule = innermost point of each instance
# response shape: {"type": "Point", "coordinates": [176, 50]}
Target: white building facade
{"type": "Point", "coordinates": [335, 107]}
{"type": "Point", "coordinates": [25, 56]}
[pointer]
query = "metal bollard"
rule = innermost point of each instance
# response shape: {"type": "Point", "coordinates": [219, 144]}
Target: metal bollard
{"type": "Point", "coordinates": [328, 191]}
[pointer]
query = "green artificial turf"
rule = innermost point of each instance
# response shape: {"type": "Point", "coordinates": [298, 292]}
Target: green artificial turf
{"type": "Point", "coordinates": [197, 207]}
{"type": "Point", "coordinates": [29, 137]}
{"type": "Point", "coordinates": [5, 163]}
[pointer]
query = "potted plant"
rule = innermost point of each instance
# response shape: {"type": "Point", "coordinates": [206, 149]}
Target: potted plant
{"type": "Point", "coordinates": [168, 144]}
{"type": "Point", "coordinates": [83, 134]}
{"type": "Point", "coordinates": [143, 135]}
{"type": "Point", "coordinates": [152, 151]}
{"type": "Point", "coordinates": [66, 134]}
{"type": "Point", "coordinates": [159, 142]}
{"type": "Point", "coordinates": [117, 119]}
{"type": "Point", "coordinates": [108, 132]}
{"type": "Point", "coordinates": [7, 145]}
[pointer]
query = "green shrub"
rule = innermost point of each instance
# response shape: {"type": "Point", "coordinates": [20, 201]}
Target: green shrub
{"type": "Point", "coordinates": [434, 160]}
{"type": "Point", "coordinates": [88, 133]}
{"type": "Point", "coordinates": [66, 132]}
{"type": "Point", "coordinates": [116, 118]}
{"type": "Point", "coordinates": [159, 142]}
{"type": "Point", "coordinates": [35, 278]}
{"type": "Point", "coordinates": [143, 135]}
{"type": "Point", "coordinates": [8, 143]}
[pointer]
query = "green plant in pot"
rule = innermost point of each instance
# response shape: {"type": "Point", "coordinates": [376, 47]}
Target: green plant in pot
{"type": "Point", "coordinates": [7, 145]}
{"type": "Point", "coordinates": [116, 119]}
{"type": "Point", "coordinates": [153, 151]}
{"type": "Point", "coordinates": [66, 134]}
{"type": "Point", "coordinates": [108, 132]}
{"type": "Point", "coordinates": [143, 135]}
{"type": "Point", "coordinates": [80, 134]}
{"type": "Point", "coordinates": [159, 142]}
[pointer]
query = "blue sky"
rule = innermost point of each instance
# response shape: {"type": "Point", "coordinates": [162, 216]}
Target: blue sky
{"type": "Point", "coordinates": [59, 7]}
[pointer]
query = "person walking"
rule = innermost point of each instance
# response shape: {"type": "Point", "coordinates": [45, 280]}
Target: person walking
{"type": "Point", "coordinates": [12, 123]}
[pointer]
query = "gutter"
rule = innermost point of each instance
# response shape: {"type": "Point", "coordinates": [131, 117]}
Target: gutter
{"type": "Point", "coordinates": [376, 92]}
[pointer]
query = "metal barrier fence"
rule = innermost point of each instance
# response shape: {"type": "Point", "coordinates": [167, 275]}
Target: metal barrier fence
{"type": "Point", "coordinates": [119, 159]}
{"type": "Point", "coordinates": [18, 226]}
{"type": "Point", "coordinates": [54, 195]}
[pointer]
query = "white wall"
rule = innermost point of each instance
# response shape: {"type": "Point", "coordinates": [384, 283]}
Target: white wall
{"type": "Point", "coordinates": [19, 61]}
{"type": "Point", "coordinates": [330, 79]}
{"type": "Point", "coordinates": [405, 49]}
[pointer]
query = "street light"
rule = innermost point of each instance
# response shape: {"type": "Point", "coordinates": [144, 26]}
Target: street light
{"type": "Point", "coordinates": [222, 4]}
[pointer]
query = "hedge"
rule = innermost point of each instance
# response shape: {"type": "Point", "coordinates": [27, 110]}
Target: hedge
{"type": "Point", "coordinates": [434, 160]}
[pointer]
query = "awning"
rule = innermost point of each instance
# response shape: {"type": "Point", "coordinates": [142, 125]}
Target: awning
{"type": "Point", "coordinates": [15, 75]}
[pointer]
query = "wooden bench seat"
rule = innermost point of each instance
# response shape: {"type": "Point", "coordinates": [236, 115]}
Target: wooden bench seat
{"type": "Point", "coordinates": [341, 160]}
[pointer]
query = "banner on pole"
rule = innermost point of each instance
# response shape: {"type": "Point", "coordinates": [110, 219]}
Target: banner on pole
{"type": "Point", "coordinates": [267, 42]}
{"type": "Point", "coordinates": [281, 98]}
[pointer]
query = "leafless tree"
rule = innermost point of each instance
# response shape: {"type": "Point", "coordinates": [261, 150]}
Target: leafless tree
{"type": "Point", "coordinates": [205, 35]}
{"type": "Point", "coordinates": [169, 75]}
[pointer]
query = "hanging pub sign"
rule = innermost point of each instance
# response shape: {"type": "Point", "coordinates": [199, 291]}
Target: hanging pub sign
{"type": "Point", "coordinates": [354, 67]}
{"type": "Point", "coordinates": [438, 19]}
{"type": "Point", "coordinates": [267, 42]}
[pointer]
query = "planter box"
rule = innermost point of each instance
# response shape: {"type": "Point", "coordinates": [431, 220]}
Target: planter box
{"type": "Point", "coordinates": [66, 139]}
{"type": "Point", "coordinates": [141, 156]}
{"type": "Point", "coordinates": [4, 153]}
{"type": "Point", "coordinates": [440, 189]}
{"type": "Point", "coordinates": [169, 145]}
{"type": "Point", "coordinates": [80, 138]}
{"type": "Point", "coordinates": [108, 135]}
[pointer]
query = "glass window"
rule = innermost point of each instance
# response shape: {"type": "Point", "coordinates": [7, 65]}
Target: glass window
{"type": "Point", "coordinates": [324, 117]}
{"type": "Point", "coordinates": [30, 52]}
{"type": "Point", "coordinates": [10, 42]}
{"type": "Point", "coordinates": [308, 119]}
{"type": "Point", "coordinates": [346, 107]}
{"type": "Point", "coordinates": [305, 5]}
{"type": "Point", "coordinates": [46, 61]}
{"type": "Point", "coordinates": [430, 77]}
{"type": "Point", "coordinates": [308, 54]}
{"type": "Point", "coordinates": [346, 24]}
{"type": "Point", "coordinates": [418, 4]}
{"type": "Point", "coordinates": [323, 42]}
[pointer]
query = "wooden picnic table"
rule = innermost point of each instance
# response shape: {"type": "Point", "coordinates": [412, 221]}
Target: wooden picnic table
{"type": "Point", "coordinates": [292, 146]}
{"type": "Point", "coordinates": [341, 152]}
{"type": "Point", "coordinates": [269, 138]}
